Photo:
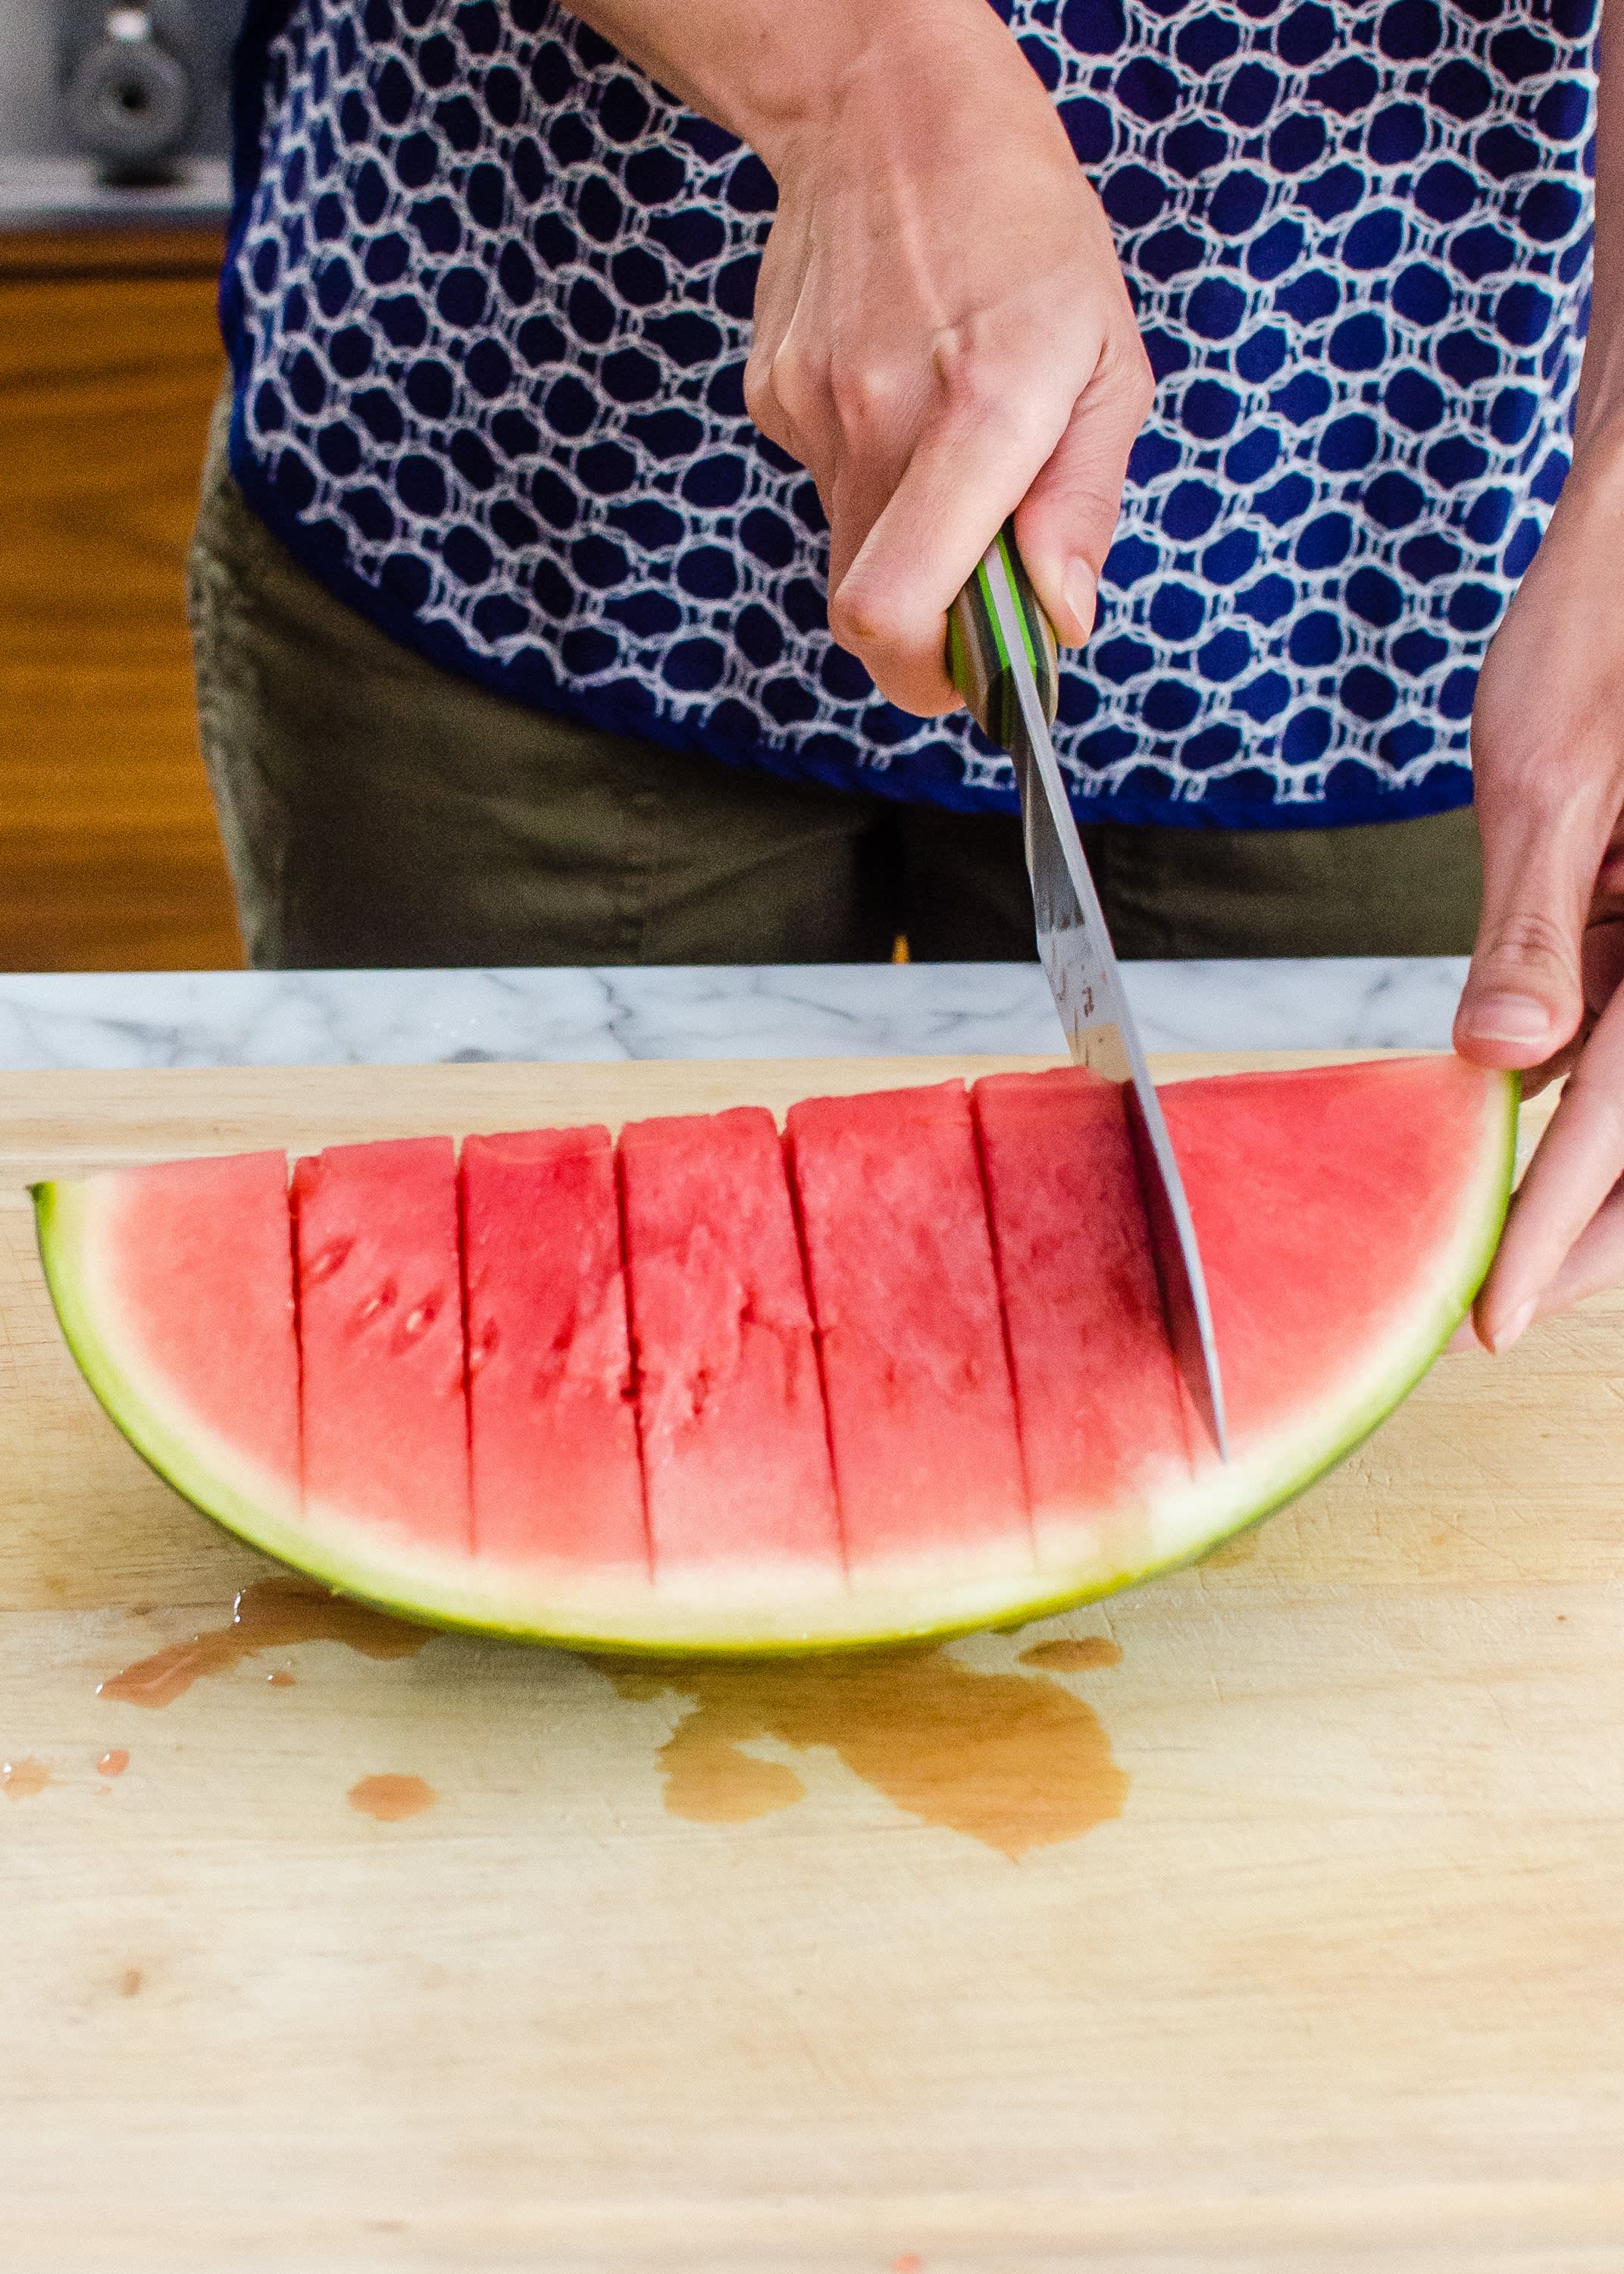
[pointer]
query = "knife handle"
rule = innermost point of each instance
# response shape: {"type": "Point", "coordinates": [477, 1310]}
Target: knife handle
{"type": "Point", "coordinates": [977, 661]}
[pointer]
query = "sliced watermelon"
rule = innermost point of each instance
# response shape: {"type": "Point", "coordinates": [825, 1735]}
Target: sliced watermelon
{"type": "Point", "coordinates": [921, 1416]}
{"type": "Point", "coordinates": [174, 1285]}
{"type": "Point", "coordinates": [1104, 1422]}
{"type": "Point", "coordinates": [1009, 1433]}
{"type": "Point", "coordinates": [384, 1399]}
{"type": "Point", "coordinates": [1408, 1162]}
{"type": "Point", "coordinates": [556, 1478]}
{"type": "Point", "coordinates": [735, 1449]}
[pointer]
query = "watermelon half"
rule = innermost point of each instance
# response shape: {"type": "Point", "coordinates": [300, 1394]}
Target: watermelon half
{"type": "Point", "coordinates": [901, 1372]}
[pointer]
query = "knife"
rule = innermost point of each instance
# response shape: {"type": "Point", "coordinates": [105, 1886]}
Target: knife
{"type": "Point", "coordinates": [1002, 658]}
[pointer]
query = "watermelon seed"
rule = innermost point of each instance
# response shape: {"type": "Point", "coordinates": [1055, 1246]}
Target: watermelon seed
{"type": "Point", "coordinates": [326, 1260]}
{"type": "Point", "coordinates": [367, 1311]}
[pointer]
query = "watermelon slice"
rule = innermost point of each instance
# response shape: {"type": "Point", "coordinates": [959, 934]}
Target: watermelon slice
{"type": "Point", "coordinates": [383, 1403]}
{"type": "Point", "coordinates": [989, 1360]}
{"type": "Point", "coordinates": [174, 1285]}
{"type": "Point", "coordinates": [735, 1447]}
{"type": "Point", "coordinates": [554, 1438]}
{"type": "Point", "coordinates": [921, 1416]}
{"type": "Point", "coordinates": [1105, 1423]}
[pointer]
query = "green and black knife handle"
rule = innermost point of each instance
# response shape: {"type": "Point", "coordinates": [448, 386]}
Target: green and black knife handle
{"type": "Point", "coordinates": [977, 660]}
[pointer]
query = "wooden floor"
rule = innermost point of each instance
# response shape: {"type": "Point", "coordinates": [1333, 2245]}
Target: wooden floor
{"type": "Point", "coordinates": [109, 358]}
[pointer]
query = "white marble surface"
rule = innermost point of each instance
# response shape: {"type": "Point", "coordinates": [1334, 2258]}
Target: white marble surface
{"type": "Point", "coordinates": [391, 1018]}
{"type": "Point", "coordinates": [51, 192]}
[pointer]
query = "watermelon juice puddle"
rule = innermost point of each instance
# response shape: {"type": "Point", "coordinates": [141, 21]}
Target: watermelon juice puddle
{"type": "Point", "coordinates": [1074, 1654]}
{"type": "Point", "coordinates": [267, 1615]}
{"type": "Point", "coordinates": [1014, 1761]}
{"type": "Point", "coordinates": [391, 1798]}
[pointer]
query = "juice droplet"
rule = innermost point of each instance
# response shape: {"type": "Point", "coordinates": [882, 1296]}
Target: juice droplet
{"type": "Point", "coordinates": [115, 1763]}
{"type": "Point", "coordinates": [389, 1798]}
{"type": "Point", "coordinates": [279, 1678]}
{"type": "Point", "coordinates": [1012, 1763]}
{"type": "Point", "coordinates": [1073, 1653]}
{"type": "Point", "coordinates": [267, 1615]}
{"type": "Point", "coordinates": [21, 1780]}
{"type": "Point", "coordinates": [910, 2262]}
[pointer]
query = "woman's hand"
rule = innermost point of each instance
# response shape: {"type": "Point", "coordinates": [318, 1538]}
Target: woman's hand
{"type": "Point", "coordinates": [1543, 989]}
{"type": "Point", "coordinates": [942, 337]}
{"type": "Point", "coordinates": [942, 334]}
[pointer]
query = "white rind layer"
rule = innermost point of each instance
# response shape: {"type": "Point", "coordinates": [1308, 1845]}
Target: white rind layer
{"type": "Point", "coordinates": [775, 1608]}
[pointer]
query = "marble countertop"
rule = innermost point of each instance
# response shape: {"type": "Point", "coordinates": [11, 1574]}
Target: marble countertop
{"type": "Point", "coordinates": [394, 1018]}
{"type": "Point", "coordinates": [40, 193]}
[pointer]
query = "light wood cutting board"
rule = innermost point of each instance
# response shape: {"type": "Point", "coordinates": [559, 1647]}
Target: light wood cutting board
{"type": "Point", "coordinates": [1275, 1921]}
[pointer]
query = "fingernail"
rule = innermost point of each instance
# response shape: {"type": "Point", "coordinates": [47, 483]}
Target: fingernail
{"type": "Point", "coordinates": [1508, 1019]}
{"type": "Point", "coordinates": [1515, 1326]}
{"type": "Point", "coordinates": [1079, 590]}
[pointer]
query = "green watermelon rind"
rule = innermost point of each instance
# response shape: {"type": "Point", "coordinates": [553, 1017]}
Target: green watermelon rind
{"type": "Point", "coordinates": [642, 1619]}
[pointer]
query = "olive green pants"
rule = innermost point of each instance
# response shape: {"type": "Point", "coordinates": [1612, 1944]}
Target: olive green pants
{"type": "Point", "coordinates": [378, 810]}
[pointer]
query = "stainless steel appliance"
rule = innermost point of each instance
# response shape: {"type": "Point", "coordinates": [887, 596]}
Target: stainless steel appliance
{"type": "Point", "coordinates": [142, 82]}
{"type": "Point", "coordinates": [114, 107]}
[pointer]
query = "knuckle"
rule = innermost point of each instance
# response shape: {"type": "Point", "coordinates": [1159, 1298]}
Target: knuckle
{"type": "Point", "coordinates": [1529, 940]}
{"type": "Point", "coordinates": [867, 394]}
{"type": "Point", "coordinates": [1139, 382]}
{"type": "Point", "coordinates": [786, 380]}
{"type": "Point", "coordinates": [861, 620]}
{"type": "Point", "coordinates": [758, 396]}
{"type": "Point", "coordinates": [970, 380]}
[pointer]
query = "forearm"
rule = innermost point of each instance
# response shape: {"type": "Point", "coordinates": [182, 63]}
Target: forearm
{"type": "Point", "coordinates": [771, 70]}
{"type": "Point", "coordinates": [1599, 417]}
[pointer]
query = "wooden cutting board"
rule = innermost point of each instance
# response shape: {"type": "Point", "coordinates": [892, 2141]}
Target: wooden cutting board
{"type": "Point", "coordinates": [1270, 1918]}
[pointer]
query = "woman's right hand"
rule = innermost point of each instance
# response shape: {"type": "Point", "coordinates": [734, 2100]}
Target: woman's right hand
{"type": "Point", "coordinates": [942, 334]}
{"type": "Point", "coordinates": [942, 337]}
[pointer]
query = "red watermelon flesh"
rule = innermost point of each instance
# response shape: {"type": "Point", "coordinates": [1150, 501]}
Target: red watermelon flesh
{"type": "Point", "coordinates": [921, 1416]}
{"type": "Point", "coordinates": [190, 1283]}
{"type": "Point", "coordinates": [385, 1407]}
{"type": "Point", "coordinates": [1363, 1162]}
{"type": "Point", "coordinates": [553, 1433]}
{"type": "Point", "coordinates": [1103, 1415]}
{"type": "Point", "coordinates": [736, 1452]}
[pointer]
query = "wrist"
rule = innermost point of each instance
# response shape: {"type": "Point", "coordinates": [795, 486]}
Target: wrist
{"type": "Point", "coordinates": [1598, 407]}
{"type": "Point", "coordinates": [875, 67]}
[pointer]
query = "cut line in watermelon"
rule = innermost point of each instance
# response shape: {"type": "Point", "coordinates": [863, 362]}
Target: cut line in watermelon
{"type": "Point", "coordinates": [590, 1393]}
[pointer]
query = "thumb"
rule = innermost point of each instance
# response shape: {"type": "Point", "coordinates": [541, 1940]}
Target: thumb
{"type": "Point", "coordinates": [1523, 997]}
{"type": "Point", "coordinates": [1064, 524]}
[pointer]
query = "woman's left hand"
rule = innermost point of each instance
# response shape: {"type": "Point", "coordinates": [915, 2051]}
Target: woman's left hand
{"type": "Point", "coordinates": [1543, 993]}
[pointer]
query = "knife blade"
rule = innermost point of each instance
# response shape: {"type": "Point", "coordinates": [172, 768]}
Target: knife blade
{"type": "Point", "coordinates": [1002, 658]}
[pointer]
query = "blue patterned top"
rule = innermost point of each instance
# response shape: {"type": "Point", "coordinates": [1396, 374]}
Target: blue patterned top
{"type": "Point", "coordinates": [488, 303]}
